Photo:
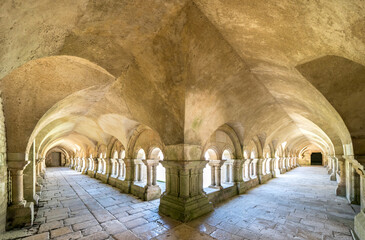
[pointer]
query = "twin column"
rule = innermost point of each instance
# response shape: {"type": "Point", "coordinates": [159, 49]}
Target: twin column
{"type": "Point", "coordinates": [216, 166]}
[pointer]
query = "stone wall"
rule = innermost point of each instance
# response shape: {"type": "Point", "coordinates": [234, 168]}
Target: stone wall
{"type": "Point", "coordinates": [53, 160]}
{"type": "Point", "coordinates": [3, 172]}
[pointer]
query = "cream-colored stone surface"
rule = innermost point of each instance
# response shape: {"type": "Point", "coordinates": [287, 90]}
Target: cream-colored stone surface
{"type": "Point", "coordinates": [280, 209]}
{"type": "Point", "coordinates": [269, 82]}
{"type": "Point", "coordinates": [3, 172]}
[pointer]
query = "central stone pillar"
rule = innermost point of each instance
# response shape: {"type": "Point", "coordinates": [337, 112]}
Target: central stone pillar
{"type": "Point", "coordinates": [237, 174]}
{"type": "Point", "coordinates": [20, 212]}
{"type": "Point", "coordinates": [359, 222]}
{"type": "Point", "coordinates": [341, 188]}
{"type": "Point", "coordinates": [85, 165]}
{"type": "Point", "coordinates": [94, 171]}
{"type": "Point", "coordinates": [333, 176]}
{"type": "Point", "coordinates": [121, 172]}
{"type": "Point", "coordinates": [39, 183]}
{"type": "Point", "coordinates": [260, 172]}
{"type": "Point", "coordinates": [152, 190]}
{"type": "Point", "coordinates": [126, 183]}
{"type": "Point", "coordinates": [184, 198]}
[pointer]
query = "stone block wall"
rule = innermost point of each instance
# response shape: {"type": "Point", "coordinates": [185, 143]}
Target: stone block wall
{"type": "Point", "coordinates": [3, 172]}
{"type": "Point", "coordinates": [54, 160]}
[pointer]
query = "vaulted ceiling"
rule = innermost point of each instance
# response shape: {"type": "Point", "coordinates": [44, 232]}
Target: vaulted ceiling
{"type": "Point", "coordinates": [289, 71]}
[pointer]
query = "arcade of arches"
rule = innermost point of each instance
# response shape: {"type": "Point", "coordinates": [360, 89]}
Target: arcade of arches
{"type": "Point", "coordinates": [185, 102]}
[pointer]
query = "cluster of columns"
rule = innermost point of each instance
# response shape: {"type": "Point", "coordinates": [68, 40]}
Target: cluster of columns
{"type": "Point", "coordinates": [336, 167]}
{"type": "Point", "coordinates": [353, 173]}
{"type": "Point", "coordinates": [21, 210]}
{"type": "Point", "coordinates": [263, 169]}
{"type": "Point", "coordinates": [185, 199]}
{"type": "Point", "coordinates": [126, 174]}
{"type": "Point", "coordinates": [216, 166]}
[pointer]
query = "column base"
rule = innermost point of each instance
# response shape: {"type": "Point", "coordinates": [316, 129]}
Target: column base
{"type": "Point", "coordinates": [276, 173]}
{"type": "Point", "coordinates": [20, 215]}
{"type": "Point", "coordinates": [264, 178]}
{"type": "Point", "coordinates": [341, 190]}
{"type": "Point", "coordinates": [359, 224]}
{"type": "Point", "coordinates": [124, 186]}
{"type": "Point", "coordinates": [185, 209]}
{"type": "Point", "coordinates": [152, 192]}
{"type": "Point", "coordinates": [40, 180]}
{"type": "Point", "coordinates": [333, 177]}
{"type": "Point", "coordinates": [112, 181]}
{"type": "Point", "coordinates": [38, 188]}
{"type": "Point", "coordinates": [91, 173]}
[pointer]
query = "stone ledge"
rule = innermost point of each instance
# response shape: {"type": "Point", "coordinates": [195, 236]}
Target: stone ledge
{"type": "Point", "coordinates": [185, 209]}
{"type": "Point", "coordinates": [20, 215]}
{"type": "Point", "coordinates": [359, 225]}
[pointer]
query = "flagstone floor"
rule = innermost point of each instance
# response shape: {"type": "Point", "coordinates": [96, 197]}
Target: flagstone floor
{"type": "Point", "coordinates": [300, 204]}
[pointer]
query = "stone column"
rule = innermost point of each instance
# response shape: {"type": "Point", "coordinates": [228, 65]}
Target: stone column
{"type": "Point", "coordinates": [287, 167]}
{"type": "Point", "coordinates": [85, 165]}
{"type": "Point", "coordinates": [216, 176]}
{"type": "Point", "coordinates": [121, 168]}
{"type": "Point", "coordinates": [100, 166]}
{"type": "Point", "coordinates": [237, 174]}
{"type": "Point", "coordinates": [154, 174]}
{"type": "Point", "coordinates": [246, 166]}
{"type": "Point", "coordinates": [341, 188]}
{"type": "Point", "coordinates": [329, 166]}
{"type": "Point", "coordinates": [218, 180]}
{"type": "Point", "coordinates": [95, 169]}
{"type": "Point", "coordinates": [184, 198]}
{"type": "Point", "coordinates": [359, 222]}
{"type": "Point", "coordinates": [17, 183]}
{"type": "Point", "coordinates": [260, 172]}
{"type": "Point", "coordinates": [152, 190]}
{"type": "Point", "coordinates": [20, 212]}
{"type": "Point", "coordinates": [39, 183]}
{"type": "Point", "coordinates": [30, 178]}
{"type": "Point", "coordinates": [333, 176]}
{"type": "Point", "coordinates": [228, 173]}
{"type": "Point", "coordinates": [149, 174]}
{"type": "Point", "coordinates": [212, 174]}
{"type": "Point", "coordinates": [295, 162]}
{"type": "Point", "coordinates": [125, 184]}
{"type": "Point", "coordinates": [276, 167]}
{"type": "Point", "coordinates": [139, 178]}
{"type": "Point", "coordinates": [268, 166]}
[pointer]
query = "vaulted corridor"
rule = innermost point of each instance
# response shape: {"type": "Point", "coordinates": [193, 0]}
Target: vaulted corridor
{"type": "Point", "coordinates": [114, 113]}
{"type": "Point", "coordinates": [300, 204]}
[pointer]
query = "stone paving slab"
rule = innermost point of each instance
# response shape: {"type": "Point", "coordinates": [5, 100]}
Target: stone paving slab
{"type": "Point", "coordinates": [300, 204]}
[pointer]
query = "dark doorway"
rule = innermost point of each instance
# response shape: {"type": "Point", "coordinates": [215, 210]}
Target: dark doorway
{"type": "Point", "coordinates": [316, 158]}
{"type": "Point", "coordinates": [53, 159]}
{"type": "Point", "coordinates": [357, 187]}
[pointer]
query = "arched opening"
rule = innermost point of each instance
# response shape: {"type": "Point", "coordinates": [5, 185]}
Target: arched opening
{"type": "Point", "coordinates": [160, 170]}
{"type": "Point", "coordinates": [316, 158]}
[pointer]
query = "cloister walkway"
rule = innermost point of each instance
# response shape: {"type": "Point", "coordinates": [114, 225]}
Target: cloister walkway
{"type": "Point", "coordinates": [300, 204]}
